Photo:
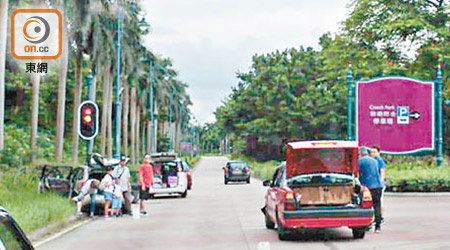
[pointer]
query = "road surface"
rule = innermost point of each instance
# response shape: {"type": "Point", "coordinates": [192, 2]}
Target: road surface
{"type": "Point", "coordinates": [217, 216]}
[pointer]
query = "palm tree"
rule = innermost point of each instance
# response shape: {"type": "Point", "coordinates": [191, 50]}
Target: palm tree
{"type": "Point", "coordinates": [3, 32]}
{"type": "Point", "coordinates": [81, 23]}
{"type": "Point", "coordinates": [105, 109]}
{"type": "Point", "coordinates": [62, 78]}
{"type": "Point", "coordinates": [35, 81]}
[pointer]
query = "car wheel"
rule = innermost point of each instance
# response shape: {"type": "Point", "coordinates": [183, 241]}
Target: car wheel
{"type": "Point", "coordinates": [248, 180]}
{"type": "Point", "coordinates": [269, 223]}
{"type": "Point", "coordinates": [225, 181]}
{"type": "Point", "coordinates": [358, 233]}
{"type": "Point", "coordinates": [183, 195]}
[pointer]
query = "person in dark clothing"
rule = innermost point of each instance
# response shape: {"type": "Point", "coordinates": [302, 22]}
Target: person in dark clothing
{"type": "Point", "coordinates": [375, 153]}
{"type": "Point", "coordinates": [369, 175]}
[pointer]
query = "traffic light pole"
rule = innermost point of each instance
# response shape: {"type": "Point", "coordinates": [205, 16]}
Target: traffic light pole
{"type": "Point", "coordinates": [90, 97]}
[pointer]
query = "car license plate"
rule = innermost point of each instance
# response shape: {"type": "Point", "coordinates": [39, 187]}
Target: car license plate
{"type": "Point", "coordinates": [237, 172]}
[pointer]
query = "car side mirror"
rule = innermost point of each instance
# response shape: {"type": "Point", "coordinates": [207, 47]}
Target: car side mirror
{"type": "Point", "coordinates": [223, 168]}
{"type": "Point", "coordinates": [267, 183]}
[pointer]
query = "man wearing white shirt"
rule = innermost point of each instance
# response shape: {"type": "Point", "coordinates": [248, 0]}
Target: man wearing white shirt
{"type": "Point", "coordinates": [122, 172]}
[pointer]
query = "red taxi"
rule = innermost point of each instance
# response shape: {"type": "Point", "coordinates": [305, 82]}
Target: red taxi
{"type": "Point", "coordinates": [317, 188]}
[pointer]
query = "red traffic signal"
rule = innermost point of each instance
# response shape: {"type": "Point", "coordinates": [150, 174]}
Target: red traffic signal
{"type": "Point", "coordinates": [88, 113]}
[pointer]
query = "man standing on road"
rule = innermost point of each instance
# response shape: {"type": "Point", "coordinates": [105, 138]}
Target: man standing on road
{"type": "Point", "coordinates": [375, 153]}
{"type": "Point", "coordinates": [369, 176]}
{"type": "Point", "coordinates": [122, 172]}
{"type": "Point", "coordinates": [145, 181]}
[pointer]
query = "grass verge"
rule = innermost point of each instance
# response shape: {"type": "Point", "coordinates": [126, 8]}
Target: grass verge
{"type": "Point", "coordinates": [29, 208]}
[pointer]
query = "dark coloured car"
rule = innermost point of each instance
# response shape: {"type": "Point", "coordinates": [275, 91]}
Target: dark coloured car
{"type": "Point", "coordinates": [11, 236]}
{"type": "Point", "coordinates": [236, 171]}
{"type": "Point", "coordinates": [59, 179]}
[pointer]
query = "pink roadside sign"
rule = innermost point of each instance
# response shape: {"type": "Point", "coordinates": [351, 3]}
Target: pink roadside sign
{"type": "Point", "coordinates": [395, 113]}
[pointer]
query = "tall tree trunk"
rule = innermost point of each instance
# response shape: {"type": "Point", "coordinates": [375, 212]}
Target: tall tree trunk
{"type": "Point", "coordinates": [76, 104]}
{"type": "Point", "coordinates": [3, 32]}
{"type": "Point", "coordinates": [105, 108]}
{"type": "Point", "coordinates": [138, 129]}
{"type": "Point", "coordinates": [93, 94]}
{"type": "Point", "coordinates": [62, 77]}
{"type": "Point", "coordinates": [133, 124]}
{"type": "Point", "coordinates": [35, 81]}
{"type": "Point", "coordinates": [126, 108]}
{"type": "Point", "coordinates": [110, 104]}
{"type": "Point", "coordinates": [94, 86]}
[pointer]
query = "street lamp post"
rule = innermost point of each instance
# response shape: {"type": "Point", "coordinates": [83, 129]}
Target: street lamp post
{"type": "Point", "coordinates": [151, 145]}
{"type": "Point", "coordinates": [117, 85]}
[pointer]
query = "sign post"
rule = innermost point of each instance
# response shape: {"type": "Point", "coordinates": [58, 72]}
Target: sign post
{"type": "Point", "coordinates": [350, 121]}
{"type": "Point", "coordinates": [440, 123]}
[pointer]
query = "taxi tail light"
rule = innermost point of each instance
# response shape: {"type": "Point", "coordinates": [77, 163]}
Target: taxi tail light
{"type": "Point", "coordinates": [289, 195]}
{"type": "Point", "coordinates": [227, 170]}
{"type": "Point", "coordinates": [289, 201]}
{"type": "Point", "coordinates": [247, 170]}
{"type": "Point", "coordinates": [366, 198]}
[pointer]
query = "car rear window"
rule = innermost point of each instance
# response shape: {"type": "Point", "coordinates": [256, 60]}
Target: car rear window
{"type": "Point", "coordinates": [165, 167]}
{"type": "Point", "coordinates": [237, 165]}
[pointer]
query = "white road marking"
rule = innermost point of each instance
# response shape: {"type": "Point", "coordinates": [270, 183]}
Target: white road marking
{"type": "Point", "coordinates": [263, 245]}
{"type": "Point", "coordinates": [56, 235]}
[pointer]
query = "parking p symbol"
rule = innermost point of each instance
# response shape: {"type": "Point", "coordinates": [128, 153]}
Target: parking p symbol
{"type": "Point", "coordinates": [402, 115]}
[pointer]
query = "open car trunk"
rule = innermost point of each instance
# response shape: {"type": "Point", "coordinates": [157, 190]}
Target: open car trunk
{"type": "Point", "coordinates": [165, 175]}
{"type": "Point", "coordinates": [323, 189]}
{"type": "Point", "coordinates": [324, 195]}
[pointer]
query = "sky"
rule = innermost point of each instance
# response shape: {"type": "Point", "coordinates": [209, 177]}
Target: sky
{"type": "Point", "coordinates": [210, 40]}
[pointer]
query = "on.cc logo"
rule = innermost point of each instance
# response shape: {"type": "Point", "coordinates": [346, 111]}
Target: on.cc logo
{"type": "Point", "coordinates": [32, 30]}
{"type": "Point", "coordinates": [36, 34]}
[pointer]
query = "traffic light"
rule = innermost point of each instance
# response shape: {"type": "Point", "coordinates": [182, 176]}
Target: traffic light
{"type": "Point", "coordinates": [88, 113]}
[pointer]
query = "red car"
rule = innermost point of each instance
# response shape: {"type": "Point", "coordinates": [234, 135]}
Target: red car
{"type": "Point", "coordinates": [317, 188]}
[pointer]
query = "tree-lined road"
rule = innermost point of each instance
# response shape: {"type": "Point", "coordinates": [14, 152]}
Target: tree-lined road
{"type": "Point", "coordinates": [218, 216]}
